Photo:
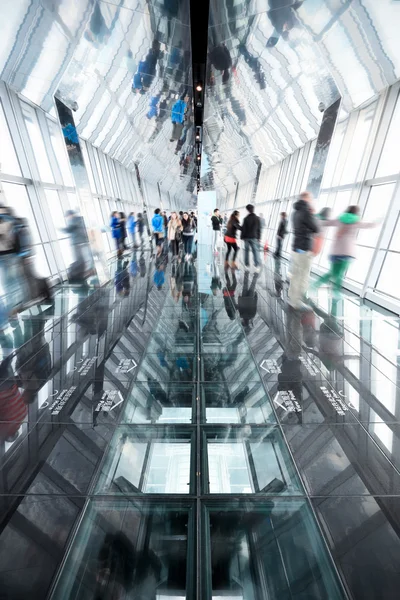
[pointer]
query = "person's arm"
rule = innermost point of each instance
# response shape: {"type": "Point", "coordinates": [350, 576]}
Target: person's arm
{"type": "Point", "coordinates": [259, 229]}
{"type": "Point", "coordinates": [311, 222]}
{"type": "Point", "coordinates": [365, 225]}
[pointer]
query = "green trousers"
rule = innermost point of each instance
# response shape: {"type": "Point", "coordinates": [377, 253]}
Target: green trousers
{"type": "Point", "coordinates": [335, 274]}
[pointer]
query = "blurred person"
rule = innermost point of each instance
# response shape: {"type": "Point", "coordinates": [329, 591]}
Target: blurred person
{"type": "Point", "coordinates": [262, 224]}
{"type": "Point", "coordinates": [280, 234]}
{"type": "Point", "coordinates": [140, 226]}
{"type": "Point", "coordinates": [220, 59]}
{"type": "Point", "coordinates": [37, 287]}
{"type": "Point", "coordinates": [188, 231]}
{"type": "Point", "coordinates": [165, 219]}
{"type": "Point", "coordinates": [216, 221]}
{"type": "Point", "coordinates": [121, 278]}
{"type": "Point", "coordinates": [116, 231]}
{"type": "Point", "coordinates": [131, 226]}
{"type": "Point", "coordinates": [124, 235]}
{"type": "Point", "coordinates": [343, 250]}
{"type": "Point", "coordinates": [247, 302]}
{"type": "Point", "coordinates": [174, 230]}
{"type": "Point", "coordinates": [251, 235]}
{"type": "Point", "coordinates": [228, 294]}
{"type": "Point", "coordinates": [232, 228]}
{"type": "Point", "coordinates": [79, 245]}
{"type": "Point", "coordinates": [10, 271]}
{"type": "Point", "coordinates": [13, 409]}
{"type": "Point", "coordinates": [305, 227]}
{"type": "Point", "coordinates": [157, 224]}
{"type": "Point", "coordinates": [283, 18]}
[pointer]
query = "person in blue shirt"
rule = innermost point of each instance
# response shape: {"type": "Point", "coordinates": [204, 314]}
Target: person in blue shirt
{"type": "Point", "coordinates": [157, 224]}
{"type": "Point", "coordinates": [116, 231]}
{"type": "Point", "coordinates": [131, 225]}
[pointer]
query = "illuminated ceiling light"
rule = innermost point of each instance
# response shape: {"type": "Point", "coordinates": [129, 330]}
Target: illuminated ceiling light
{"type": "Point", "coordinates": [199, 87]}
{"type": "Point", "coordinates": [198, 137]}
{"type": "Point", "coordinates": [198, 157]}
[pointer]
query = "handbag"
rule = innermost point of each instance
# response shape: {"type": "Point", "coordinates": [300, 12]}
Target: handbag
{"type": "Point", "coordinates": [178, 235]}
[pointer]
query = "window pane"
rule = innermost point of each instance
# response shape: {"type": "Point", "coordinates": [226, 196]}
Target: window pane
{"type": "Point", "coordinates": [389, 281]}
{"type": "Point", "coordinates": [17, 197]}
{"type": "Point", "coordinates": [88, 167]}
{"type": "Point", "coordinates": [359, 267]}
{"type": "Point", "coordinates": [102, 189]}
{"type": "Point", "coordinates": [38, 147]}
{"type": "Point", "coordinates": [333, 155]}
{"type": "Point", "coordinates": [395, 242]}
{"type": "Point", "coordinates": [61, 153]}
{"type": "Point", "coordinates": [389, 162]}
{"type": "Point", "coordinates": [358, 144]}
{"type": "Point", "coordinates": [56, 212]}
{"type": "Point", "coordinates": [377, 206]}
{"type": "Point", "coordinates": [8, 157]}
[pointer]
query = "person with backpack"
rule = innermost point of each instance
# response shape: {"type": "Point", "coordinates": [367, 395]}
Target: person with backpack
{"type": "Point", "coordinates": [216, 222]}
{"type": "Point", "coordinates": [232, 228]}
{"type": "Point", "coordinates": [280, 234]}
{"type": "Point", "coordinates": [251, 235]}
{"type": "Point", "coordinates": [343, 250]}
{"type": "Point", "coordinates": [305, 226]}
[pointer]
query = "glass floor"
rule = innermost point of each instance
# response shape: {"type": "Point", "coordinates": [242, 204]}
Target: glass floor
{"type": "Point", "coordinates": [188, 437]}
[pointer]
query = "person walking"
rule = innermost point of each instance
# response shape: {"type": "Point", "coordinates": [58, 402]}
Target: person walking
{"type": "Point", "coordinates": [140, 226]}
{"type": "Point", "coordinates": [157, 224]}
{"type": "Point", "coordinates": [305, 227]}
{"type": "Point", "coordinates": [124, 235]}
{"type": "Point", "coordinates": [188, 230]}
{"type": "Point", "coordinates": [343, 249]}
{"type": "Point", "coordinates": [131, 226]}
{"type": "Point", "coordinates": [174, 233]}
{"type": "Point", "coordinates": [116, 231]}
{"type": "Point", "coordinates": [280, 234]}
{"type": "Point", "coordinates": [216, 221]}
{"type": "Point", "coordinates": [232, 228]}
{"type": "Point", "coordinates": [251, 235]}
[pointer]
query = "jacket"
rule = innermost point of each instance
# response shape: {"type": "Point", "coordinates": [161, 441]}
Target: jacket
{"type": "Point", "coordinates": [348, 226]}
{"type": "Point", "coordinates": [216, 223]}
{"type": "Point", "coordinates": [282, 229]}
{"type": "Point", "coordinates": [188, 226]}
{"type": "Point", "coordinates": [251, 228]}
{"type": "Point", "coordinates": [173, 226]}
{"type": "Point", "coordinates": [232, 229]}
{"type": "Point", "coordinates": [116, 229]}
{"type": "Point", "coordinates": [131, 224]}
{"type": "Point", "coordinates": [178, 111]}
{"type": "Point", "coordinates": [305, 226]}
{"type": "Point", "coordinates": [157, 224]}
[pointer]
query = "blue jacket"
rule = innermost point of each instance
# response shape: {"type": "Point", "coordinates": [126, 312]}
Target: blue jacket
{"type": "Point", "coordinates": [131, 224]}
{"type": "Point", "coordinates": [115, 226]}
{"type": "Point", "coordinates": [157, 223]}
{"type": "Point", "coordinates": [178, 111]}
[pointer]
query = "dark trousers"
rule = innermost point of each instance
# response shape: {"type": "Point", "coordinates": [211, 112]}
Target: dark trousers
{"type": "Point", "coordinates": [231, 246]}
{"type": "Point", "coordinates": [278, 250]}
{"type": "Point", "coordinates": [174, 247]}
{"type": "Point", "coordinates": [188, 243]}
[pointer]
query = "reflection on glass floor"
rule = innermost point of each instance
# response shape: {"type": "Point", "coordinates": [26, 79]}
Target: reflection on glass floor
{"type": "Point", "coordinates": [145, 415]}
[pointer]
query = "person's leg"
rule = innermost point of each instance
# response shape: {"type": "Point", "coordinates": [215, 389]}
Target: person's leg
{"type": "Point", "coordinates": [214, 242]}
{"type": "Point", "coordinates": [339, 271]}
{"type": "Point", "coordinates": [255, 247]}
{"type": "Point", "coordinates": [235, 251]}
{"type": "Point", "coordinates": [246, 252]}
{"type": "Point", "coordinates": [324, 278]}
{"type": "Point", "coordinates": [293, 294]}
{"type": "Point", "coordinates": [228, 251]}
{"type": "Point", "coordinates": [278, 247]}
{"type": "Point", "coordinates": [305, 268]}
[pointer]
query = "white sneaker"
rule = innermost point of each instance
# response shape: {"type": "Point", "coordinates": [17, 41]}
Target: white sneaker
{"type": "Point", "coordinates": [257, 269]}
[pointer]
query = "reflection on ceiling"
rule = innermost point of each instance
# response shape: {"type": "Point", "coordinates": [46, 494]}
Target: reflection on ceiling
{"type": "Point", "coordinates": [124, 65]}
{"type": "Point", "coordinates": [274, 64]}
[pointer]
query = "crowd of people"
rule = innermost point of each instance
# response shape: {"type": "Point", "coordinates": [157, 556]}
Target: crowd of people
{"type": "Point", "coordinates": [308, 228]}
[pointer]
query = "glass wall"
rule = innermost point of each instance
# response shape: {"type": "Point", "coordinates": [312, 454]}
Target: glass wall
{"type": "Point", "coordinates": [37, 182]}
{"type": "Point", "coordinates": [362, 168]}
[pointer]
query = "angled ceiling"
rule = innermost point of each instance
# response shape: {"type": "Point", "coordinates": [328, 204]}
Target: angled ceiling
{"type": "Point", "coordinates": [270, 64]}
{"type": "Point", "coordinates": [273, 62]}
